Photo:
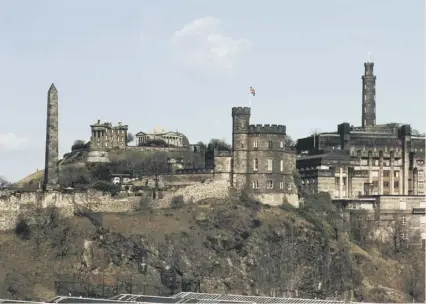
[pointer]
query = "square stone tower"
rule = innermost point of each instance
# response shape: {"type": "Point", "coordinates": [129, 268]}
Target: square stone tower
{"type": "Point", "coordinates": [51, 169]}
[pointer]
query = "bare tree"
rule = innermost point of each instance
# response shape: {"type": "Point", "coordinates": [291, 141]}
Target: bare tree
{"type": "Point", "coordinates": [4, 183]}
{"type": "Point", "coordinates": [78, 144]}
{"type": "Point", "coordinates": [219, 144]}
{"type": "Point", "coordinates": [72, 175]}
{"type": "Point", "coordinates": [289, 142]}
{"type": "Point", "coordinates": [130, 137]}
{"type": "Point", "coordinates": [154, 166]}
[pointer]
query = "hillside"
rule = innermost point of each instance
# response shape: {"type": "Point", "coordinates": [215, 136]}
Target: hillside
{"type": "Point", "coordinates": [74, 158]}
{"type": "Point", "coordinates": [77, 159]}
{"type": "Point", "coordinates": [233, 246]}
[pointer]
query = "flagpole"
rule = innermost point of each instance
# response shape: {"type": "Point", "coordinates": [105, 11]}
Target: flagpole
{"type": "Point", "coordinates": [249, 98]}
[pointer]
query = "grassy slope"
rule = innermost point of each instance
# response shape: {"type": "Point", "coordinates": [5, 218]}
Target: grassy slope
{"type": "Point", "coordinates": [74, 158]}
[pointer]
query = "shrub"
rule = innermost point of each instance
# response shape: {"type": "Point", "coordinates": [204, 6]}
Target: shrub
{"type": "Point", "coordinates": [78, 145]}
{"type": "Point", "coordinates": [22, 229]}
{"type": "Point", "coordinates": [287, 207]}
{"type": "Point", "coordinates": [144, 203]}
{"type": "Point", "coordinates": [106, 187]}
{"type": "Point", "coordinates": [177, 202]}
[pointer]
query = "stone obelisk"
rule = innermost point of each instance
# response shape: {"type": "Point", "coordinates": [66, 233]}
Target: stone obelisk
{"type": "Point", "coordinates": [51, 170]}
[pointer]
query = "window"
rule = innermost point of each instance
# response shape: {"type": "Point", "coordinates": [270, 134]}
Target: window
{"type": "Point", "coordinates": [270, 144]}
{"type": "Point", "coordinates": [281, 185]}
{"type": "Point", "coordinates": [365, 122]}
{"type": "Point", "coordinates": [396, 173]}
{"type": "Point", "coordinates": [255, 184]}
{"type": "Point", "coordinates": [269, 184]}
{"type": "Point", "coordinates": [386, 184]}
{"type": "Point", "coordinates": [403, 235]}
{"type": "Point", "coordinates": [386, 173]}
{"type": "Point", "coordinates": [364, 162]}
{"type": "Point", "coordinates": [375, 173]}
{"type": "Point", "coordinates": [255, 164]}
{"type": "Point", "coordinates": [396, 184]}
{"type": "Point", "coordinates": [281, 144]}
{"type": "Point", "coordinates": [281, 165]}
{"type": "Point", "coordinates": [255, 144]}
{"type": "Point", "coordinates": [365, 109]}
{"type": "Point", "coordinates": [270, 163]}
{"type": "Point", "coordinates": [403, 220]}
{"type": "Point", "coordinates": [376, 162]}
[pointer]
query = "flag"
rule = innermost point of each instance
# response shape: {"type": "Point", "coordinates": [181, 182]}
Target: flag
{"type": "Point", "coordinates": [252, 91]}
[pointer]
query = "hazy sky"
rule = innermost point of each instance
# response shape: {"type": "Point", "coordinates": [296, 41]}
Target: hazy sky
{"type": "Point", "coordinates": [183, 64]}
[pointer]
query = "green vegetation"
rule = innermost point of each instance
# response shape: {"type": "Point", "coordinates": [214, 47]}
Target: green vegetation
{"type": "Point", "coordinates": [106, 187]}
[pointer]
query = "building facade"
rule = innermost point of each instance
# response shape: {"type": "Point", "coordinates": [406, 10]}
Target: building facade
{"type": "Point", "coordinates": [105, 136]}
{"type": "Point", "coordinates": [260, 162]}
{"type": "Point", "coordinates": [175, 139]}
{"type": "Point", "coordinates": [372, 159]}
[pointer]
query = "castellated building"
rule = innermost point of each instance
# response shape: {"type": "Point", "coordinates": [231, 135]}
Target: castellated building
{"type": "Point", "coordinates": [260, 162]}
{"type": "Point", "coordinates": [372, 159]}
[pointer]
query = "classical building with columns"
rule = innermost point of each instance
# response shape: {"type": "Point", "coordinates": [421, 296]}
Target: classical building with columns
{"type": "Point", "coordinates": [384, 159]}
{"type": "Point", "coordinates": [105, 136]}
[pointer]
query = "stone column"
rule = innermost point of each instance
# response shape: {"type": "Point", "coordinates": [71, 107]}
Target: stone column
{"type": "Point", "coordinates": [347, 183]}
{"type": "Point", "coordinates": [415, 179]}
{"type": "Point", "coordinates": [340, 182]}
{"type": "Point", "coordinates": [392, 172]}
{"type": "Point", "coordinates": [51, 171]}
{"type": "Point", "coordinates": [381, 172]}
{"type": "Point", "coordinates": [370, 171]}
{"type": "Point", "coordinates": [92, 138]}
{"type": "Point", "coordinates": [102, 139]}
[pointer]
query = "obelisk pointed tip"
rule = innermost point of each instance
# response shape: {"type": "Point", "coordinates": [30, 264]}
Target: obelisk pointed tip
{"type": "Point", "coordinates": [52, 88]}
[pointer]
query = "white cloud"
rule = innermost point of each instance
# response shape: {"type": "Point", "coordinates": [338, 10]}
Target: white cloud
{"type": "Point", "coordinates": [201, 44]}
{"type": "Point", "coordinates": [10, 141]}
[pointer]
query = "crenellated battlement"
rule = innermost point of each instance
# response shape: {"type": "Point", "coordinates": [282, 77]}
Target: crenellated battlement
{"type": "Point", "coordinates": [241, 111]}
{"type": "Point", "coordinates": [193, 171]}
{"type": "Point", "coordinates": [267, 129]}
{"type": "Point", "coordinates": [219, 153]}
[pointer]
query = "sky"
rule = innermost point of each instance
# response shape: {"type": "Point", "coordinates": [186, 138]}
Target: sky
{"type": "Point", "coordinates": [183, 65]}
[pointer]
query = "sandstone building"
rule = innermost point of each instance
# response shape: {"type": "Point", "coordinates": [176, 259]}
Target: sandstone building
{"type": "Point", "coordinates": [106, 136]}
{"type": "Point", "coordinates": [260, 161]}
{"type": "Point", "coordinates": [386, 159]}
{"type": "Point", "coordinates": [171, 138]}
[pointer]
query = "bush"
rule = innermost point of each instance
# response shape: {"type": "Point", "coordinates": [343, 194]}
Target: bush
{"type": "Point", "coordinates": [78, 145]}
{"type": "Point", "coordinates": [154, 143]}
{"type": "Point", "coordinates": [144, 203]}
{"type": "Point", "coordinates": [107, 187]}
{"type": "Point", "coordinates": [177, 202]}
{"type": "Point", "coordinates": [287, 207]}
{"type": "Point", "coordinates": [22, 229]}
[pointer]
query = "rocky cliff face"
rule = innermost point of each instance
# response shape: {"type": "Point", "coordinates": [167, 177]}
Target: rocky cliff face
{"type": "Point", "coordinates": [222, 246]}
